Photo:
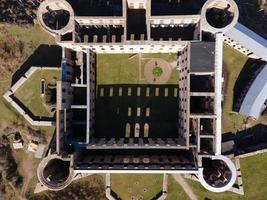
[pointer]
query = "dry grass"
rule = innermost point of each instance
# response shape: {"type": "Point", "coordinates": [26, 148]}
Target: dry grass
{"type": "Point", "coordinates": [17, 43]}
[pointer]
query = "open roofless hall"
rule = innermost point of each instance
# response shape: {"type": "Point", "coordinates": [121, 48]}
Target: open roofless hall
{"type": "Point", "coordinates": [148, 126]}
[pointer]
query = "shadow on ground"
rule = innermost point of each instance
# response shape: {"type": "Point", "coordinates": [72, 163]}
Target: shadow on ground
{"type": "Point", "coordinates": [43, 56]}
{"type": "Point", "coordinates": [29, 112]}
{"type": "Point", "coordinates": [121, 104]}
{"type": "Point", "coordinates": [249, 140]}
{"type": "Point", "coordinates": [244, 77]}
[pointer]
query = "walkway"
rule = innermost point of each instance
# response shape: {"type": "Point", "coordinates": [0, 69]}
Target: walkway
{"type": "Point", "coordinates": [27, 168]}
{"type": "Point", "coordinates": [185, 186]}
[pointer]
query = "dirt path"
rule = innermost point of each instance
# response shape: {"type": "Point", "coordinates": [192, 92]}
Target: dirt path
{"type": "Point", "coordinates": [27, 168]}
{"type": "Point", "coordinates": [185, 186]}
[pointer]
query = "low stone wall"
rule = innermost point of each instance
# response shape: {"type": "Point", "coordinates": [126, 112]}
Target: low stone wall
{"type": "Point", "coordinates": [8, 97]}
{"type": "Point", "coordinates": [252, 153]}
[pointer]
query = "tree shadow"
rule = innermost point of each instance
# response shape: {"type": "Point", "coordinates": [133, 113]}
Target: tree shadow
{"type": "Point", "coordinates": [249, 140]}
{"type": "Point", "coordinates": [43, 56]}
{"type": "Point", "coordinates": [246, 74]}
{"type": "Point", "coordinates": [122, 105]}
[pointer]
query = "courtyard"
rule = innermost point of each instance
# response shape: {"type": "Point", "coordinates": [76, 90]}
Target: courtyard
{"type": "Point", "coordinates": [40, 105]}
{"type": "Point", "coordinates": [132, 104]}
{"type": "Point", "coordinates": [137, 186]}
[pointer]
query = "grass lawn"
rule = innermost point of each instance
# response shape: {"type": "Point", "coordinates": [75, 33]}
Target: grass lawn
{"type": "Point", "coordinates": [233, 62]}
{"type": "Point", "coordinates": [174, 79]}
{"type": "Point", "coordinates": [117, 69]}
{"type": "Point", "coordinates": [169, 57]}
{"type": "Point", "coordinates": [31, 35]}
{"type": "Point", "coordinates": [175, 191]}
{"type": "Point", "coordinates": [33, 100]}
{"type": "Point", "coordinates": [124, 68]}
{"type": "Point", "coordinates": [127, 185]}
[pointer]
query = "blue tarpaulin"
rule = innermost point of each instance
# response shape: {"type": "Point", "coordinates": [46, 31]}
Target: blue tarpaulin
{"type": "Point", "coordinates": [64, 69]}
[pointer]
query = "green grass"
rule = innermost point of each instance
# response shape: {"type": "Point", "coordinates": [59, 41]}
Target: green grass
{"type": "Point", "coordinates": [254, 176]}
{"type": "Point", "coordinates": [121, 183]}
{"type": "Point", "coordinates": [175, 191]}
{"type": "Point", "coordinates": [117, 69]}
{"type": "Point", "coordinates": [203, 194]}
{"type": "Point", "coordinates": [124, 68]}
{"type": "Point", "coordinates": [31, 37]}
{"type": "Point", "coordinates": [174, 79]}
{"type": "Point", "coordinates": [233, 61]}
{"type": "Point", "coordinates": [153, 183]}
{"type": "Point", "coordinates": [233, 122]}
{"type": "Point", "coordinates": [8, 116]}
{"type": "Point", "coordinates": [33, 101]}
{"type": "Point", "coordinates": [157, 71]}
{"type": "Point", "coordinates": [169, 57]}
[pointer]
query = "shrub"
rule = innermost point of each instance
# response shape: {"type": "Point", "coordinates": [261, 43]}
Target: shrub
{"type": "Point", "coordinates": [157, 71]}
{"type": "Point", "coordinates": [51, 94]}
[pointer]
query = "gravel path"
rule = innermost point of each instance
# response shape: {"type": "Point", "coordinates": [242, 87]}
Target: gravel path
{"type": "Point", "coordinates": [185, 186]}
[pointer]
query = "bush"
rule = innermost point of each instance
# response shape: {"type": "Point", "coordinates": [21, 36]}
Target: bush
{"type": "Point", "coordinates": [37, 135]}
{"type": "Point", "coordinates": [51, 94]}
{"type": "Point", "coordinates": [8, 164]}
{"type": "Point", "coordinates": [157, 71]}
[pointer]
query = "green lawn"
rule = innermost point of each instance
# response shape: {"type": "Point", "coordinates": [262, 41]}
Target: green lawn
{"type": "Point", "coordinates": [31, 37]}
{"type": "Point", "coordinates": [124, 68]}
{"type": "Point", "coordinates": [33, 100]}
{"type": "Point", "coordinates": [175, 191]}
{"type": "Point", "coordinates": [127, 185]}
{"type": "Point", "coordinates": [120, 184]}
{"type": "Point", "coordinates": [233, 62]}
{"type": "Point", "coordinates": [117, 69]}
{"type": "Point", "coordinates": [174, 79]}
{"type": "Point", "coordinates": [170, 57]}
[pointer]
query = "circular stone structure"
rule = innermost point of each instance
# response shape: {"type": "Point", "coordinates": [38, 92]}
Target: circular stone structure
{"type": "Point", "coordinates": [219, 15]}
{"type": "Point", "coordinates": [54, 173]}
{"type": "Point", "coordinates": [157, 71]}
{"type": "Point", "coordinates": [56, 16]}
{"type": "Point", "coordinates": [218, 173]}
